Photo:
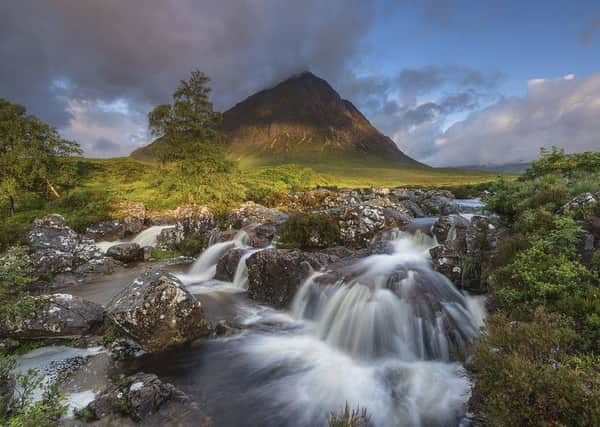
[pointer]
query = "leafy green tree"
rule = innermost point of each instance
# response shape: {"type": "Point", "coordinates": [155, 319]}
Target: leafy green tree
{"type": "Point", "coordinates": [189, 129]}
{"type": "Point", "coordinates": [31, 155]}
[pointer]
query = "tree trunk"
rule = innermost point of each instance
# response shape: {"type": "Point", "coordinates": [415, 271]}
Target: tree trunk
{"type": "Point", "coordinates": [52, 189]}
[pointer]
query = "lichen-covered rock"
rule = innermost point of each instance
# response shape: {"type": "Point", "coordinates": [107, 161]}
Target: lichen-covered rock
{"type": "Point", "coordinates": [112, 229]}
{"type": "Point", "coordinates": [158, 312]}
{"type": "Point", "coordinates": [56, 247]}
{"type": "Point", "coordinates": [251, 213]}
{"type": "Point", "coordinates": [274, 275]}
{"type": "Point", "coordinates": [192, 219]}
{"type": "Point", "coordinates": [582, 203]}
{"type": "Point", "coordinates": [96, 266]}
{"type": "Point", "coordinates": [261, 236]}
{"type": "Point", "coordinates": [138, 396]}
{"type": "Point", "coordinates": [59, 315]}
{"type": "Point", "coordinates": [358, 224]}
{"type": "Point", "coordinates": [126, 252]}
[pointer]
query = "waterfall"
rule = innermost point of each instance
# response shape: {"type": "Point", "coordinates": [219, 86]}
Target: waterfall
{"type": "Point", "coordinates": [205, 267]}
{"type": "Point", "coordinates": [146, 237]}
{"type": "Point", "coordinates": [389, 305]}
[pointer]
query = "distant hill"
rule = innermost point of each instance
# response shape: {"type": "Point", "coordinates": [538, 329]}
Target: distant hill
{"type": "Point", "coordinates": [302, 120]}
{"type": "Point", "coordinates": [511, 168]}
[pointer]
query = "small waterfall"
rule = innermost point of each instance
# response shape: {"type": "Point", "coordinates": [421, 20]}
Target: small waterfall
{"type": "Point", "coordinates": [389, 305]}
{"type": "Point", "coordinates": [206, 264]}
{"type": "Point", "coordinates": [146, 237]}
{"type": "Point", "coordinates": [240, 278]}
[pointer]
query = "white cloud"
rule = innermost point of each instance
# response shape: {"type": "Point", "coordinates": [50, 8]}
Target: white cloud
{"type": "Point", "coordinates": [562, 112]}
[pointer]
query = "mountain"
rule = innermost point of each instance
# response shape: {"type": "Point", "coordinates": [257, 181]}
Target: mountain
{"type": "Point", "coordinates": [302, 119]}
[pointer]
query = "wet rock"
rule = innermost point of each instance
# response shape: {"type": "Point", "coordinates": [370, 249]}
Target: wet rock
{"type": "Point", "coordinates": [251, 213]}
{"type": "Point", "coordinates": [438, 202]}
{"type": "Point", "coordinates": [169, 237]}
{"type": "Point", "coordinates": [124, 348]}
{"type": "Point", "coordinates": [98, 266]}
{"type": "Point", "coordinates": [450, 229]}
{"type": "Point", "coordinates": [59, 315]}
{"type": "Point", "coordinates": [138, 396]}
{"type": "Point", "coordinates": [113, 229]}
{"type": "Point", "coordinates": [133, 216]}
{"type": "Point", "coordinates": [358, 224]}
{"type": "Point", "coordinates": [224, 329]}
{"type": "Point", "coordinates": [192, 219]}
{"type": "Point", "coordinates": [126, 252]}
{"type": "Point", "coordinates": [415, 210]}
{"type": "Point", "coordinates": [261, 236]}
{"type": "Point", "coordinates": [158, 312]}
{"type": "Point", "coordinates": [228, 263]}
{"type": "Point", "coordinates": [274, 275]}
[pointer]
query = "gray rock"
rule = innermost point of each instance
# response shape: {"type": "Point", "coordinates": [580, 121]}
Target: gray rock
{"type": "Point", "coordinates": [274, 275]}
{"type": "Point", "coordinates": [59, 315]}
{"type": "Point", "coordinates": [251, 213]}
{"type": "Point", "coordinates": [228, 263]}
{"type": "Point", "coordinates": [113, 229]}
{"type": "Point", "coordinates": [96, 266]}
{"type": "Point", "coordinates": [126, 252]}
{"type": "Point", "coordinates": [158, 312]}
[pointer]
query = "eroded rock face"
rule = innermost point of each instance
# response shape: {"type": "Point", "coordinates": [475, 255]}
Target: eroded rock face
{"type": "Point", "coordinates": [59, 315]}
{"type": "Point", "coordinates": [158, 312]}
{"type": "Point", "coordinates": [251, 213]}
{"type": "Point", "coordinates": [126, 252]}
{"type": "Point", "coordinates": [274, 275]}
{"type": "Point", "coordinates": [228, 263]}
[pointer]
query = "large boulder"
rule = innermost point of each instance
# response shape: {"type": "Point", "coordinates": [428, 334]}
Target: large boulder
{"type": "Point", "coordinates": [582, 203]}
{"type": "Point", "coordinates": [251, 213]}
{"type": "Point", "coordinates": [359, 224]}
{"type": "Point", "coordinates": [56, 247]}
{"type": "Point", "coordinates": [138, 396]}
{"type": "Point", "coordinates": [126, 252]}
{"type": "Point", "coordinates": [58, 315]}
{"type": "Point", "coordinates": [158, 312]}
{"type": "Point", "coordinates": [274, 275]}
{"type": "Point", "coordinates": [466, 250]}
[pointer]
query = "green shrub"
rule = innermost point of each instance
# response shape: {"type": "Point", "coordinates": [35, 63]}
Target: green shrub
{"type": "Point", "coordinates": [160, 254]}
{"type": "Point", "coordinates": [309, 231]}
{"type": "Point", "coordinates": [349, 418]}
{"type": "Point", "coordinates": [192, 245]}
{"type": "Point", "coordinates": [16, 272]}
{"type": "Point", "coordinates": [525, 374]}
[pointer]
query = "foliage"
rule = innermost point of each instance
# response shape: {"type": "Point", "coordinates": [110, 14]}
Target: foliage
{"type": "Point", "coordinates": [162, 254]}
{"type": "Point", "coordinates": [349, 418]}
{"type": "Point", "coordinates": [309, 231]}
{"type": "Point", "coordinates": [31, 155]}
{"type": "Point", "coordinates": [189, 129]}
{"type": "Point", "coordinates": [16, 273]}
{"type": "Point", "coordinates": [192, 245]}
{"type": "Point", "coordinates": [525, 374]}
{"type": "Point", "coordinates": [22, 409]}
{"type": "Point", "coordinates": [556, 161]}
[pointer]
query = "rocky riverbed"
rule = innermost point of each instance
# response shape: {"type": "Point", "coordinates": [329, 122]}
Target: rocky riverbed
{"type": "Point", "coordinates": [284, 336]}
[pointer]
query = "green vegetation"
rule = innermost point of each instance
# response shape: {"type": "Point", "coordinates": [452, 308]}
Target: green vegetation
{"type": "Point", "coordinates": [31, 154]}
{"type": "Point", "coordinates": [15, 274]}
{"type": "Point", "coordinates": [309, 231]}
{"type": "Point", "coordinates": [538, 362]}
{"type": "Point", "coordinates": [349, 418]}
{"type": "Point", "coordinates": [20, 409]}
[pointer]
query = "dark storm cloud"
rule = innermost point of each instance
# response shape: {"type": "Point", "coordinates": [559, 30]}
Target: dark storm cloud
{"type": "Point", "coordinates": [54, 52]}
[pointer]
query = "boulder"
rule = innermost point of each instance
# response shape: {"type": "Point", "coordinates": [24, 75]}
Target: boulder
{"type": "Point", "coordinates": [359, 224]}
{"type": "Point", "coordinates": [582, 203]}
{"type": "Point", "coordinates": [274, 275]}
{"type": "Point", "coordinates": [261, 236]}
{"type": "Point", "coordinates": [251, 213]}
{"type": "Point", "coordinates": [126, 252]}
{"type": "Point", "coordinates": [158, 312]}
{"type": "Point", "coordinates": [438, 202]}
{"type": "Point", "coordinates": [133, 216]}
{"type": "Point", "coordinates": [113, 229]}
{"type": "Point", "coordinates": [56, 247]}
{"type": "Point", "coordinates": [96, 266]}
{"type": "Point", "coordinates": [192, 219]}
{"type": "Point", "coordinates": [138, 396]}
{"type": "Point", "coordinates": [59, 315]}
{"type": "Point", "coordinates": [228, 263]}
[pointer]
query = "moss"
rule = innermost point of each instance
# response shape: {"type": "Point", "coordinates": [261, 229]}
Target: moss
{"type": "Point", "coordinates": [309, 231]}
{"type": "Point", "coordinates": [192, 245]}
{"type": "Point", "coordinates": [85, 415]}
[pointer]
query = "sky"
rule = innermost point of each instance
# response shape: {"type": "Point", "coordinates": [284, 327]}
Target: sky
{"type": "Point", "coordinates": [452, 82]}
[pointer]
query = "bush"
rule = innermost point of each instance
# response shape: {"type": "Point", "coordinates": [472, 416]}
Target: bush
{"type": "Point", "coordinates": [309, 231]}
{"type": "Point", "coordinates": [525, 374]}
{"type": "Point", "coordinates": [192, 245]}
{"type": "Point", "coordinates": [16, 272]}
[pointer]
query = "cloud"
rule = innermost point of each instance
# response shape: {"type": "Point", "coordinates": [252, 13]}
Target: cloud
{"type": "Point", "coordinates": [555, 112]}
{"type": "Point", "coordinates": [55, 54]}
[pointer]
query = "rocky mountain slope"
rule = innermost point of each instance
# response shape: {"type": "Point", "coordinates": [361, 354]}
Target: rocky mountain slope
{"type": "Point", "coordinates": [302, 117]}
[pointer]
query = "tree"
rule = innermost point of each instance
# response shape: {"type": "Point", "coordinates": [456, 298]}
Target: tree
{"type": "Point", "coordinates": [189, 129]}
{"type": "Point", "coordinates": [31, 154]}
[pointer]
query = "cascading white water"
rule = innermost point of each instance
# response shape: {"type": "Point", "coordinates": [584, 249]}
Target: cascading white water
{"type": "Point", "coordinates": [389, 305]}
{"type": "Point", "coordinates": [240, 278]}
{"type": "Point", "coordinates": [146, 237]}
{"type": "Point", "coordinates": [205, 267]}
